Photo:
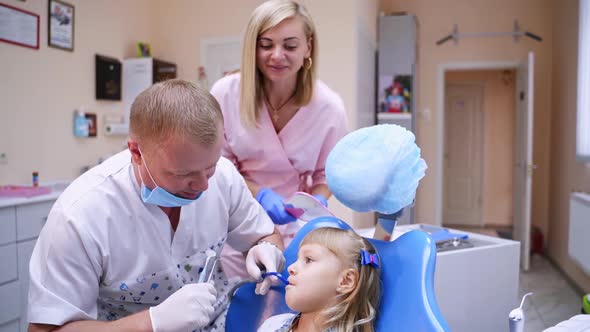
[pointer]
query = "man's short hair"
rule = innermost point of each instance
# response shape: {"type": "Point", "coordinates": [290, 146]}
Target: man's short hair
{"type": "Point", "coordinates": [175, 107]}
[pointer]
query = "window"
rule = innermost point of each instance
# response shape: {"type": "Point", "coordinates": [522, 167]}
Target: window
{"type": "Point", "coordinates": [583, 121]}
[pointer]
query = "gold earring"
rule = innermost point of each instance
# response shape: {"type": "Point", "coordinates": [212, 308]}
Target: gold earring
{"type": "Point", "coordinates": [310, 63]}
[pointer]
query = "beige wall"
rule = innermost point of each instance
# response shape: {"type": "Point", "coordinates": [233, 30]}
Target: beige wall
{"type": "Point", "coordinates": [184, 25]}
{"type": "Point", "coordinates": [39, 90]}
{"type": "Point", "coordinates": [498, 141]}
{"type": "Point", "coordinates": [567, 174]}
{"type": "Point", "coordinates": [436, 20]}
{"type": "Point", "coordinates": [49, 84]}
{"type": "Point", "coordinates": [341, 60]}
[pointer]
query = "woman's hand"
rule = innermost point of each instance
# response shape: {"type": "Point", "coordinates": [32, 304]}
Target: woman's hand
{"type": "Point", "coordinates": [272, 203]}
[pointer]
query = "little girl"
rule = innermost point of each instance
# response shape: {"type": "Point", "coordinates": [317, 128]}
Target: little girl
{"type": "Point", "coordinates": [334, 285]}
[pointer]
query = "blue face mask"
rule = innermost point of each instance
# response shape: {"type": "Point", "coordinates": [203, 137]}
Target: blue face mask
{"type": "Point", "coordinates": [159, 196]}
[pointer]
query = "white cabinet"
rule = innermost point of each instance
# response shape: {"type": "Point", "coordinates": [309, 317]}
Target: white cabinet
{"type": "Point", "coordinates": [11, 326]}
{"type": "Point", "coordinates": [477, 287]}
{"type": "Point", "coordinates": [8, 259]}
{"type": "Point", "coordinates": [10, 304]}
{"type": "Point", "coordinates": [20, 226]}
{"type": "Point", "coordinates": [30, 219]}
{"type": "Point", "coordinates": [396, 66]}
{"type": "Point", "coordinates": [397, 44]}
{"type": "Point", "coordinates": [7, 225]}
{"type": "Point", "coordinates": [25, 250]}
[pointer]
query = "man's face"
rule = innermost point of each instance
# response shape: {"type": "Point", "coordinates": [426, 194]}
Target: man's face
{"type": "Point", "coordinates": [313, 279]}
{"type": "Point", "coordinates": [181, 167]}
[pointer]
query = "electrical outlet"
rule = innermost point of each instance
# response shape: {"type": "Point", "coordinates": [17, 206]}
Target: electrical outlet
{"type": "Point", "coordinates": [3, 158]}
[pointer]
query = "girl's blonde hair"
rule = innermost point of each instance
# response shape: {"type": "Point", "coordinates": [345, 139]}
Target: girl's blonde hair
{"type": "Point", "coordinates": [356, 310]}
{"type": "Point", "coordinates": [265, 17]}
{"type": "Point", "coordinates": [175, 107]}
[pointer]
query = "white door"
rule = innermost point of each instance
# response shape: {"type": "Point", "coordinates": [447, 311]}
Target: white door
{"type": "Point", "coordinates": [220, 56]}
{"type": "Point", "coordinates": [463, 155]}
{"type": "Point", "coordinates": [524, 157]}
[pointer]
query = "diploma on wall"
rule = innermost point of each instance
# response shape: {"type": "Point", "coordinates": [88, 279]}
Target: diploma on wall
{"type": "Point", "coordinates": [19, 27]}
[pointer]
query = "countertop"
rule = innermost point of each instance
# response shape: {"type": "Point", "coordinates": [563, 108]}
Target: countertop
{"type": "Point", "coordinates": [56, 189]}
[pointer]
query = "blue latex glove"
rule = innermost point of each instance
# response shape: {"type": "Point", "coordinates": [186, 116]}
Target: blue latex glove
{"type": "Point", "coordinates": [272, 203]}
{"type": "Point", "coordinates": [322, 199]}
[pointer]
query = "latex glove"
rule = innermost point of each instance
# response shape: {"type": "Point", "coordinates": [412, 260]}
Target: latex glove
{"type": "Point", "coordinates": [272, 203]}
{"type": "Point", "coordinates": [187, 309]}
{"type": "Point", "coordinates": [270, 258]}
{"type": "Point", "coordinates": [322, 199]}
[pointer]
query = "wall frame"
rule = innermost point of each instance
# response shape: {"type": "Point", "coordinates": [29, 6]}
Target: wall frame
{"type": "Point", "coordinates": [19, 27]}
{"type": "Point", "coordinates": [60, 29]}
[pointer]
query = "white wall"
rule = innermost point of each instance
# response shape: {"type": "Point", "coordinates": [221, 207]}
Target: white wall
{"type": "Point", "coordinates": [39, 90]}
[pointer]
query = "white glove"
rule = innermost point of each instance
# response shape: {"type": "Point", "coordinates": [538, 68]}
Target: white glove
{"type": "Point", "coordinates": [268, 256]}
{"type": "Point", "coordinates": [187, 309]}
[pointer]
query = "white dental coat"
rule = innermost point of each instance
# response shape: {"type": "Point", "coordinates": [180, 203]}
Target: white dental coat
{"type": "Point", "coordinates": [104, 254]}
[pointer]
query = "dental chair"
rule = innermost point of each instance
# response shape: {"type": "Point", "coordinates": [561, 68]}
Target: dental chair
{"type": "Point", "coordinates": [408, 302]}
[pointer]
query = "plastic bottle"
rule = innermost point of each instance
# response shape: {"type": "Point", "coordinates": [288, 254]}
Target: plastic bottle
{"type": "Point", "coordinates": [80, 123]}
{"type": "Point", "coordinates": [35, 179]}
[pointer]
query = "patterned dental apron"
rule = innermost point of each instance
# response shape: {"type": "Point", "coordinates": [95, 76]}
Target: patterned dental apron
{"type": "Point", "coordinates": [126, 297]}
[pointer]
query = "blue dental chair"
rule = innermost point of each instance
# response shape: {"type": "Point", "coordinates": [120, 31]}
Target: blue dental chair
{"type": "Point", "coordinates": [408, 302]}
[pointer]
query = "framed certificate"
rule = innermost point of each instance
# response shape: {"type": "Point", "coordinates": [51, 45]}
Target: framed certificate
{"type": "Point", "coordinates": [61, 25]}
{"type": "Point", "coordinates": [19, 27]}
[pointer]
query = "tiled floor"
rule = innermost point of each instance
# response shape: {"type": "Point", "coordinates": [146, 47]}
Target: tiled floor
{"type": "Point", "coordinates": [553, 301]}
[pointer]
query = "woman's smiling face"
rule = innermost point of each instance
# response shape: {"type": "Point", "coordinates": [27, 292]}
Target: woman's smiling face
{"type": "Point", "coordinates": [281, 50]}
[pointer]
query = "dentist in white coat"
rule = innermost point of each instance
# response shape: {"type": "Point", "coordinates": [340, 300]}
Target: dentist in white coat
{"type": "Point", "coordinates": [125, 244]}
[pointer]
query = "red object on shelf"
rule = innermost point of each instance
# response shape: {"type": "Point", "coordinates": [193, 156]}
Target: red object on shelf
{"type": "Point", "coordinates": [23, 191]}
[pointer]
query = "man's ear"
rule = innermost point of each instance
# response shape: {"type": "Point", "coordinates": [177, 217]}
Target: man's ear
{"type": "Point", "coordinates": [134, 149]}
{"type": "Point", "coordinates": [348, 281]}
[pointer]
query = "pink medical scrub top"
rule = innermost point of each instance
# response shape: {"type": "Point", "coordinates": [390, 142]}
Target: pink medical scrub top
{"type": "Point", "coordinates": [293, 159]}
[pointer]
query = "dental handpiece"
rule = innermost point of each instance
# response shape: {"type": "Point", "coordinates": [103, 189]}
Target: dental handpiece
{"type": "Point", "coordinates": [209, 266]}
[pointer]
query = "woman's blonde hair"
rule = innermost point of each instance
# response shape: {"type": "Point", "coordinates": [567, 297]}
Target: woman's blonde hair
{"type": "Point", "coordinates": [266, 16]}
{"type": "Point", "coordinates": [175, 107]}
{"type": "Point", "coordinates": [356, 310]}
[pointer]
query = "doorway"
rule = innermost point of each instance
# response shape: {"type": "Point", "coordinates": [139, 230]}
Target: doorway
{"type": "Point", "coordinates": [479, 149]}
{"type": "Point", "coordinates": [522, 146]}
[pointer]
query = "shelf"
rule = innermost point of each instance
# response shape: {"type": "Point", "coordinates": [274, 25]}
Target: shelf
{"type": "Point", "coordinates": [394, 116]}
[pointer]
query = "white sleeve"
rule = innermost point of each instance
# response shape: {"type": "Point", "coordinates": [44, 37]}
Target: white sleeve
{"type": "Point", "coordinates": [275, 323]}
{"type": "Point", "coordinates": [64, 272]}
{"type": "Point", "coordinates": [247, 220]}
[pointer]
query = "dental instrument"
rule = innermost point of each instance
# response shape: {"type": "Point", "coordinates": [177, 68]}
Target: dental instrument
{"type": "Point", "coordinates": [207, 272]}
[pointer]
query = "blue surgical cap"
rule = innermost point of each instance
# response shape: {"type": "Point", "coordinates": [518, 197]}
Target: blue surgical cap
{"type": "Point", "coordinates": [376, 168]}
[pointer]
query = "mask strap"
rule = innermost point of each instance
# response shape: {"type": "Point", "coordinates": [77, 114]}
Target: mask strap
{"type": "Point", "coordinates": [147, 169]}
